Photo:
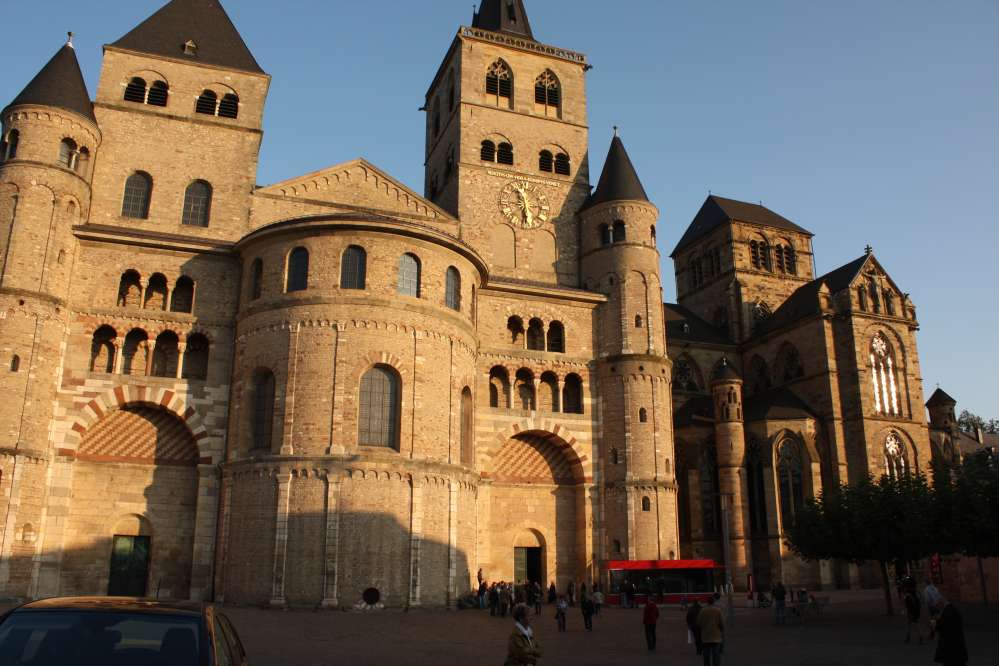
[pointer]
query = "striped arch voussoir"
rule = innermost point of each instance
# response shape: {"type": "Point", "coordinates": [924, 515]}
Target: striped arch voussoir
{"type": "Point", "coordinates": [548, 426]}
{"type": "Point", "coordinates": [384, 358]}
{"type": "Point", "coordinates": [121, 396]}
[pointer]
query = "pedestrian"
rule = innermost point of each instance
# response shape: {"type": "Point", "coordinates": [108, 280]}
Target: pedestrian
{"type": "Point", "coordinates": [583, 594]}
{"type": "Point", "coordinates": [506, 598]}
{"type": "Point", "coordinates": [552, 593]}
{"type": "Point", "coordinates": [780, 602]}
{"type": "Point", "coordinates": [951, 647]}
{"type": "Point", "coordinates": [561, 607]}
{"type": "Point", "coordinates": [712, 626]}
{"type": "Point", "coordinates": [483, 593]}
{"type": "Point", "coordinates": [693, 629]}
{"type": "Point", "coordinates": [539, 597]}
{"type": "Point", "coordinates": [598, 600]}
{"type": "Point", "coordinates": [586, 606]}
{"type": "Point", "coordinates": [625, 601]}
{"type": "Point", "coordinates": [478, 576]}
{"type": "Point", "coordinates": [570, 592]}
{"type": "Point", "coordinates": [493, 599]}
{"type": "Point", "coordinates": [522, 649]}
{"type": "Point", "coordinates": [933, 599]}
{"type": "Point", "coordinates": [913, 609]}
{"type": "Point", "coordinates": [650, 617]}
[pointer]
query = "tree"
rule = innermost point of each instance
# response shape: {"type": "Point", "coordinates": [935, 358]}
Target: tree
{"type": "Point", "coordinates": [970, 507]}
{"type": "Point", "coordinates": [884, 521]}
{"type": "Point", "coordinates": [970, 422]}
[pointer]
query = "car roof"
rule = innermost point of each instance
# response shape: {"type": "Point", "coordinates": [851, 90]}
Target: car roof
{"type": "Point", "coordinates": [117, 605]}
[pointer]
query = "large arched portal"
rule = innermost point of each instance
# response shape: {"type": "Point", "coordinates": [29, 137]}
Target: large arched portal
{"type": "Point", "coordinates": [537, 515]}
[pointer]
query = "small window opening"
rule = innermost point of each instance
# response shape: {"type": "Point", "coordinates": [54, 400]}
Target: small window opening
{"type": "Point", "coordinates": [229, 106]}
{"type": "Point", "coordinates": [562, 166]}
{"type": "Point", "coordinates": [546, 162]}
{"type": "Point", "coordinates": [207, 103]}
{"type": "Point", "coordinates": [135, 91]}
{"type": "Point", "coordinates": [488, 152]}
{"type": "Point", "coordinates": [504, 153]}
{"type": "Point", "coordinates": [158, 94]}
{"type": "Point", "coordinates": [15, 363]}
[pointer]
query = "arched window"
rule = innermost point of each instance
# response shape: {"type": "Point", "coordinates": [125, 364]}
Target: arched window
{"type": "Point", "coordinates": [488, 151]}
{"type": "Point", "coordinates": [646, 504]}
{"type": "Point", "coordinates": [182, 299]}
{"type": "Point", "coordinates": [548, 93]}
{"type": "Point", "coordinates": [467, 428]}
{"type": "Point", "coordinates": [652, 234]}
{"type": "Point", "coordinates": [617, 546]}
{"type": "Point", "coordinates": [605, 235]}
{"type": "Point", "coordinates": [896, 464]}
{"type": "Point", "coordinates": [499, 83]}
{"type": "Point", "coordinates": [354, 268]}
{"type": "Point", "coordinates": [643, 415]}
{"type": "Point", "coordinates": [683, 375]}
{"type": "Point", "coordinates": [779, 258]}
{"type": "Point", "coordinates": [710, 499]}
{"type": "Point", "coordinates": [207, 103]}
{"type": "Point", "coordinates": [159, 92]}
{"type": "Point", "coordinates": [298, 270]}
{"type": "Point", "coordinates": [135, 352]}
{"type": "Point", "coordinates": [197, 204]}
{"type": "Point", "coordinates": [515, 325]}
{"type": "Point", "coordinates": [758, 377]}
{"type": "Point", "coordinates": [536, 335]}
{"type": "Point", "coordinates": [68, 153]}
{"type": "Point", "coordinates": [862, 297]}
{"type": "Point", "coordinates": [765, 259]}
{"type": "Point", "coordinates": [452, 289]}
{"type": "Point", "coordinates": [15, 363]}
{"type": "Point", "coordinates": [156, 293]}
{"type": "Point", "coordinates": [562, 165]}
{"type": "Point", "coordinates": [165, 355]}
{"type": "Point", "coordinates": [229, 106]}
{"type": "Point", "coordinates": [546, 162]}
{"type": "Point", "coordinates": [883, 380]}
{"type": "Point", "coordinates": [504, 153]}
{"type": "Point", "coordinates": [261, 410]}
{"type": "Point", "coordinates": [638, 321]}
{"type": "Point", "coordinates": [8, 147]}
{"type": "Point", "coordinates": [755, 489]}
{"type": "Point", "coordinates": [614, 459]}
{"type": "Point", "coordinates": [409, 275]}
{"type": "Point", "coordinates": [620, 232]}
{"type": "Point", "coordinates": [135, 203]}
{"type": "Point", "coordinates": [257, 278]}
{"type": "Point", "coordinates": [754, 253]}
{"type": "Point", "coordinates": [572, 394]}
{"type": "Point", "coordinates": [102, 350]}
{"type": "Point", "coordinates": [790, 259]}
{"type": "Point", "coordinates": [135, 91]}
{"type": "Point", "coordinates": [548, 400]}
{"type": "Point", "coordinates": [790, 473]}
{"type": "Point", "coordinates": [196, 358]}
{"type": "Point", "coordinates": [789, 366]}
{"type": "Point", "coordinates": [556, 337]}
{"type": "Point", "coordinates": [524, 390]}
{"type": "Point", "coordinates": [380, 408]}
{"type": "Point", "coordinates": [437, 117]}
{"type": "Point", "coordinates": [130, 290]}
{"type": "Point", "coordinates": [499, 388]}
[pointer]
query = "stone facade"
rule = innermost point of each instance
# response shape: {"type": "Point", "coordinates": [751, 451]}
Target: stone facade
{"type": "Point", "coordinates": [204, 391]}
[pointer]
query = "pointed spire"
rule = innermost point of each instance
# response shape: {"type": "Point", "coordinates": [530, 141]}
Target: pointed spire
{"type": "Point", "coordinates": [619, 180]}
{"type": "Point", "coordinates": [196, 30]}
{"type": "Point", "coordinates": [940, 397]}
{"type": "Point", "coordinates": [59, 84]}
{"type": "Point", "coordinates": [507, 16]}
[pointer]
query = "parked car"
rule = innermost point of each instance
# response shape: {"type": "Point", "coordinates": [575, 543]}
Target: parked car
{"type": "Point", "coordinates": [118, 631]}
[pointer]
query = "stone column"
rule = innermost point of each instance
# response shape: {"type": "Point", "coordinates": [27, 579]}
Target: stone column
{"type": "Point", "coordinates": [415, 540]}
{"type": "Point", "coordinates": [142, 294]}
{"type": "Point", "coordinates": [181, 350]}
{"type": "Point", "coordinates": [452, 544]}
{"type": "Point", "coordinates": [150, 353]}
{"type": "Point", "coordinates": [331, 570]}
{"type": "Point", "coordinates": [119, 345]}
{"type": "Point", "coordinates": [281, 539]}
{"type": "Point", "coordinates": [560, 406]}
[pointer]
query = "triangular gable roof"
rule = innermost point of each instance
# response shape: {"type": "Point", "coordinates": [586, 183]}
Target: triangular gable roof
{"type": "Point", "coordinates": [777, 405]}
{"type": "Point", "coordinates": [203, 22]}
{"type": "Point", "coordinates": [717, 211]}
{"type": "Point", "coordinates": [940, 397]}
{"type": "Point", "coordinates": [59, 84]}
{"type": "Point", "coordinates": [357, 183]}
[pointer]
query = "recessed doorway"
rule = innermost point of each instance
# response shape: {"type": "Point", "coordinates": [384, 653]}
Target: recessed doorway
{"type": "Point", "coordinates": [129, 566]}
{"type": "Point", "coordinates": [528, 565]}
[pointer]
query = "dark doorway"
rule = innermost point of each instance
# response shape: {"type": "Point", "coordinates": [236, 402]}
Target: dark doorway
{"type": "Point", "coordinates": [129, 566]}
{"type": "Point", "coordinates": [527, 565]}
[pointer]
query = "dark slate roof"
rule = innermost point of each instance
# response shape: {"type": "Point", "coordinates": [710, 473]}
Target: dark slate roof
{"type": "Point", "coordinates": [717, 211]}
{"type": "Point", "coordinates": [508, 16]}
{"type": "Point", "coordinates": [698, 411]}
{"type": "Point", "coordinates": [683, 325]}
{"type": "Point", "coordinates": [619, 180]}
{"type": "Point", "coordinates": [59, 84]}
{"type": "Point", "coordinates": [940, 397]}
{"type": "Point", "coordinates": [725, 371]}
{"type": "Point", "coordinates": [777, 405]}
{"type": "Point", "coordinates": [805, 300]}
{"type": "Point", "coordinates": [205, 23]}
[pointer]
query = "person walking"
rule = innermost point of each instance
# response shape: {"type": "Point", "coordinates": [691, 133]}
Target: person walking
{"type": "Point", "coordinates": [561, 607]}
{"type": "Point", "coordinates": [506, 598]}
{"type": "Point", "coordinates": [483, 593]}
{"type": "Point", "coordinates": [913, 610]}
{"type": "Point", "coordinates": [523, 648]}
{"type": "Point", "coordinates": [693, 611]}
{"type": "Point", "coordinates": [539, 597]}
{"type": "Point", "coordinates": [552, 593]}
{"type": "Point", "coordinates": [650, 617]}
{"type": "Point", "coordinates": [598, 600]}
{"type": "Point", "coordinates": [712, 625]}
{"type": "Point", "coordinates": [933, 599]}
{"type": "Point", "coordinates": [780, 602]}
{"type": "Point", "coordinates": [952, 650]}
{"type": "Point", "coordinates": [570, 592]}
{"type": "Point", "coordinates": [586, 607]}
{"type": "Point", "coordinates": [493, 599]}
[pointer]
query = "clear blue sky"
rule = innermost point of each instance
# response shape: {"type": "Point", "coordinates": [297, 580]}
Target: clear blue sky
{"type": "Point", "coordinates": [865, 121]}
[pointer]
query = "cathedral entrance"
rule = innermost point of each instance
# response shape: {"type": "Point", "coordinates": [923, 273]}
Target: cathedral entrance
{"type": "Point", "coordinates": [537, 506]}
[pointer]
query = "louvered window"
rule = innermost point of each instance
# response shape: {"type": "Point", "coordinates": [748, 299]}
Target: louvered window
{"type": "Point", "coordinates": [197, 204]}
{"type": "Point", "coordinates": [562, 166]}
{"type": "Point", "coordinates": [488, 153]}
{"type": "Point", "coordinates": [499, 81]}
{"type": "Point", "coordinates": [779, 257]}
{"type": "Point", "coordinates": [135, 91]}
{"type": "Point", "coordinates": [380, 403]}
{"type": "Point", "coordinates": [546, 162]}
{"type": "Point", "coordinates": [409, 275]}
{"type": "Point", "coordinates": [229, 106]}
{"type": "Point", "coordinates": [791, 260]}
{"type": "Point", "coordinates": [452, 292]}
{"type": "Point", "coordinates": [298, 270]}
{"type": "Point", "coordinates": [353, 268]}
{"type": "Point", "coordinates": [547, 91]}
{"type": "Point", "coordinates": [504, 153]}
{"type": "Point", "coordinates": [135, 203]}
{"type": "Point", "coordinates": [158, 94]}
{"type": "Point", "coordinates": [207, 103]}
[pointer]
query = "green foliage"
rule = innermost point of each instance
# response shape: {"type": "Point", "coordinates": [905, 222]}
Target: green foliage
{"type": "Point", "coordinates": [969, 422]}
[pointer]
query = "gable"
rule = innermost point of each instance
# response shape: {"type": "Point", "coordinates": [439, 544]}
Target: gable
{"type": "Point", "coordinates": [352, 186]}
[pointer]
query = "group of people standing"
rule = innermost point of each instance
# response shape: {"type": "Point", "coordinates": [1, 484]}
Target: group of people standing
{"type": "Point", "coordinates": [706, 629]}
{"type": "Point", "coordinates": [945, 622]}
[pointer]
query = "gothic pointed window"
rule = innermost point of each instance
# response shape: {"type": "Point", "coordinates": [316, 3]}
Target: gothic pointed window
{"type": "Point", "coordinates": [409, 275]}
{"type": "Point", "coordinates": [546, 162]}
{"type": "Point", "coordinates": [710, 499]}
{"type": "Point", "coordinates": [380, 408]}
{"type": "Point", "coordinates": [499, 83]}
{"type": "Point", "coordinates": [562, 165]}
{"type": "Point", "coordinates": [354, 268]}
{"type": "Point", "coordinates": [755, 489]}
{"type": "Point", "coordinates": [207, 103]}
{"type": "Point", "coordinates": [298, 270]}
{"type": "Point", "coordinates": [883, 377]}
{"type": "Point", "coordinates": [791, 469]}
{"type": "Point", "coordinates": [135, 91]}
{"type": "Point", "coordinates": [547, 93]}
{"type": "Point", "coordinates": [135, 203]}
{"type": "Point", "coordinates": [452, 289]}
{"type": "Point", "coordinates": [197, 204]}
{"type": "Point", "coordinates": [896, 464]}
{"type": "Point", "coordinates": [487, 152]}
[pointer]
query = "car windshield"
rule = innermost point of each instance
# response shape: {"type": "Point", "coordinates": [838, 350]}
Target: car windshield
{"type": "Point", "coordinates": [82, 638]}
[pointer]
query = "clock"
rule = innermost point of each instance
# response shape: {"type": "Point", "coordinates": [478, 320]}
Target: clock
{"type": "Point", "coordinates": [524, 204]}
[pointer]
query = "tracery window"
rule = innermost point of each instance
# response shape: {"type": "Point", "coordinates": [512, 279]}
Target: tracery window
{"type": "Point", "coordinates": [499, 82]}
{"type": "Point", "coordinates": [548, 92]}
{"type": "Point", "coordinates": [380, 403]}
{"type": "Point", "coordinates": [883, 381]}
{"type": "Point", "coordinates": [683, 376]}
{"type": "Point", "coordinates": [789, 366]}
{"type": "Point", "coordinates": [761, 312]}
{"type": "Point", "coordinates": [790, 469]}
{"type": "Point", "coordinates": [896, 465]}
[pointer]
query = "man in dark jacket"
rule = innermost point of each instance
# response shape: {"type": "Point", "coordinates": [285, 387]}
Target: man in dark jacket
{"type": "Point", "coordinates": [951, 648]}
{"type": "Point", "coordinates": [650, 616]}
{"type": "Point", "coordinates": [695, 631]}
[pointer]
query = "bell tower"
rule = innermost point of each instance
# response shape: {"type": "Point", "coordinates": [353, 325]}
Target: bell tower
{"type": "Point", "coordinates": [506, 147]}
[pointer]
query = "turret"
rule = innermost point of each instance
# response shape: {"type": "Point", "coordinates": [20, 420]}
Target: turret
{"type": "Point", "coordinates": [941, 409]}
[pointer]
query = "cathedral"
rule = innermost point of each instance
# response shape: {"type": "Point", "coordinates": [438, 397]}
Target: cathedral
{"type": "Point", "coordinates": [295, 393]}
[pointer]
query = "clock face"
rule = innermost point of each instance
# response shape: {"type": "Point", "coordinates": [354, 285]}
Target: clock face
{"type": "Point", "coordinates": [524, 204]}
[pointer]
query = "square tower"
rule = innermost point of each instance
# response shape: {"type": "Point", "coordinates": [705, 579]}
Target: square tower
{"type": "Point", "coordinates": [506, 148]}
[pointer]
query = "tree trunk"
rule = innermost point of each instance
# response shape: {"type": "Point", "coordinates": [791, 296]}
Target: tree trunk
{"type": "Point", "coordinates": [981, 579]}
{"type": "Point", "coordinates": [889, 608]}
